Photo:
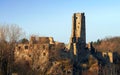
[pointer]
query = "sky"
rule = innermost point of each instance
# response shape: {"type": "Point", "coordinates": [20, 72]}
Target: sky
{"type": "Point", "coordinates": [53, 18]}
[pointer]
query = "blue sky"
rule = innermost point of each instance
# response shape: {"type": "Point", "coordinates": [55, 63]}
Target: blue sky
{"type": "Point", "coordinates": [54, 17]}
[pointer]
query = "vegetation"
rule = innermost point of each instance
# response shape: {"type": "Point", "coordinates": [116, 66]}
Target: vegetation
{"type": "Point", "coordinates": [9, 35]}
{"type": "Point", "coordinates": [108, 44]}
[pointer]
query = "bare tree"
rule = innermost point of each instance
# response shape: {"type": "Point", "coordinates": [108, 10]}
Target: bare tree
{"type": "Point", "coordinates": [3, 32]}
{"type": "Point", "coordinates": [14, 33]}
{"type": "Point", "coordinates": [9, 34]}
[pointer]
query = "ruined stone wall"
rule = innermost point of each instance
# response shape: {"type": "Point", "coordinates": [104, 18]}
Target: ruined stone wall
{"type": "Point", "coordinates": [110, 56]}
{"type": "Point", "coordinates": [36, 52]}
{"type": "Point", "coordinates": [40, 53]}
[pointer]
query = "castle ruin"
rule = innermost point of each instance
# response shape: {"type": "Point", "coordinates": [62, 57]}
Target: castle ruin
{"type": "Point", "coordinates": [43, 51]}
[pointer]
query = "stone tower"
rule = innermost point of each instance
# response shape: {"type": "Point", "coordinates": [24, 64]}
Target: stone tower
{"type": "Point", "coordinates": [77, 40]}
{"type": "Point", "coordinates": [78, 28]}
{"type": "Point", "coordinates": [78, 36]}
